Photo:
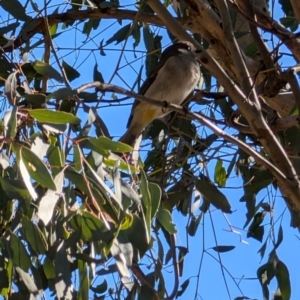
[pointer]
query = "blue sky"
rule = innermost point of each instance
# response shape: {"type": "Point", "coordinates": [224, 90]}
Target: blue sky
{"type": "Point", "coordinates": [244, 260]}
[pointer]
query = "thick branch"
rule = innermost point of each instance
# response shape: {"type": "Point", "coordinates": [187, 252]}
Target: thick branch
{"type": "Point", "coordinates": [296, 8]}
{"type": "Point", "coordinates": [194, 116]}
{"type": "Point", "coordinates": [267, 23]}
{"type": "Point", "coordinates": [38, 25]}
{"type": "Point", "coordinates": [251, 112]}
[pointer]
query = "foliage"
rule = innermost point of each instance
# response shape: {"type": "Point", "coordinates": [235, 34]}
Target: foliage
{"type": "Point", "coordinates": [78, 220]}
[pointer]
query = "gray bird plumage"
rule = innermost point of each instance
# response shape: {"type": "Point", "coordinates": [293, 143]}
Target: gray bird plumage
{"type": "Point", "coordinates": [174, 78]}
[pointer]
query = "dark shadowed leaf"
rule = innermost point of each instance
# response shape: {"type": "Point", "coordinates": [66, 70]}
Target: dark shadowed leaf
{"type": "Point", "coordinates": [262, 250]}
{"type": "Point", "coordinates": [64, 93]}
{"type": "Point", "coordinates": [18, 253]}
{"type": "Point", "coordinates": [45, 69]}
{"type": "Point", "coordinates": [182, 253]}
{"type": "Point", "coordinates": [15, 8]}
{"type": "Point", "coordinates": [184, 286]}
{"type": "Point", "coordinates": [283, 279]}
{"type": "Point", "coordinates": [36, 100]}
{"type": "Point", "coordinates": [212, 194]}
{"type": "Point", "coordinates": [222, 249]}
{"type": "Point", "coordinates": [34, 236]}
{"type": "Point", "coordinates": [71, 73]}
{"type": "Point", "coordinates": [48, 268]}
{"type": "Point", "coordinates": [15, 189]}
{"type": "Point", "coordinates": [97, 75]}
{"type": "Point", "coordinates": [100, 288]}
{"type": "Point", "coordinates": [84, 282]}
{"type": "Point", "coordinates": [4, 279]}
{"type": "Point", "coordinates": [165, 219]}
{"type": "Point", "coordinates": [193, 225]}
{"type": "Point", "coordinates": [63, 283]}
{"type": "Point", "coordinates": [255, 230]}
{"type": "Point", "coordinates": [137, 235]}
{"type": "Point", "coordinates": [8, 28]}
{"type": "Point", "coordinates": [279, 238]}
{"type": "Point", "coordinates": [120, 35]}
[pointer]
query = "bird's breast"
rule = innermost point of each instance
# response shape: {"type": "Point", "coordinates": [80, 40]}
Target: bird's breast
{"type": "Point", "coordinates": [175, 80]}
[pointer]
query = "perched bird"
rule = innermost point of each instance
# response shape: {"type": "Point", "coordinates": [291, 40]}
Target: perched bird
{"type": "Point", "coordinates": [174, 78]}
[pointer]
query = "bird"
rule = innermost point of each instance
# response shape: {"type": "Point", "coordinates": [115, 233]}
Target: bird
{"type": "Point", "coordinates": [172, 80]}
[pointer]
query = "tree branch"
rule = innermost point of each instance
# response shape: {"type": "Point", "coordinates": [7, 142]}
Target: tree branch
{"type": "Point", "coordinates": [249, 109]}
{"type": "Point", "coordinates": [289, 186]}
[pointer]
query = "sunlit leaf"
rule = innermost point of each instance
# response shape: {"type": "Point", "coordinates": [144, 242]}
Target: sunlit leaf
{"type": "Point", "coordinates": [53, 117]}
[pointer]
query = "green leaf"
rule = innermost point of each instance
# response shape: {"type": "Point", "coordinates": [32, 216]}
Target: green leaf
{"type": "Point", "coordinates": [137, 235]}
{"type": "Point", "coordinates": [86, 185]}
{"type": "Point", "coordinates": [64, 93]}
{"type": "Point", "coordinates": [34, 236]}
{"type": "Point", "coordinates": [94, 229]}
{"type": "Point", "coordinates": [165, 219]}
{"type": "Point", "coordinates": [107, 144]}
{"type": "Point", "coordinates": [53, 29]}
{"type": "Point", "coordinates": [77, 158]}
{"type": "Point", "coordinates": [45, 69]}
{"type": "Point", "coordinates": [4, 279]}
{"type": "Point", "coordinates": [283, 279]}
{"type": "Point", "coordinates": [36, 100]}
{"type": "Point", "coordinates": [48, 267]}
{"type": "Point", "coordinates": [146, 201]}
{"type": "Point", "coordinates": [155, 195]}
{"type": "Point", "coordinates": [15, 8]}
{"type": "Point", "coordinates": [84, 282]}
{"type": "Point", "coordinates": [213, 195]}
{"type": "Point", "coordinates": [71, 73]}
{"type": "Point", "coordinates": [220, 174]}
{"type": "Point", "coordinates": [36, 168]}
{"type": "Point", "coordinates": [53, 117]}
{"type": "Point", "coordinates": [18, 253]}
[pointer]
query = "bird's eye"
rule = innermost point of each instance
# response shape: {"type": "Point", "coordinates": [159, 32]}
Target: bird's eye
{"type": "Point", "coordinates": [189, 48]}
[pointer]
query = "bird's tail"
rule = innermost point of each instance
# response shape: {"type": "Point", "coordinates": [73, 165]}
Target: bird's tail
{"type": "Point", "coordinates": [129, 138]}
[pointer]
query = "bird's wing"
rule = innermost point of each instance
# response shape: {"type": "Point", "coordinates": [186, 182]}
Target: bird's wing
{"type": "Point", "coordinates": [145, 86]}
